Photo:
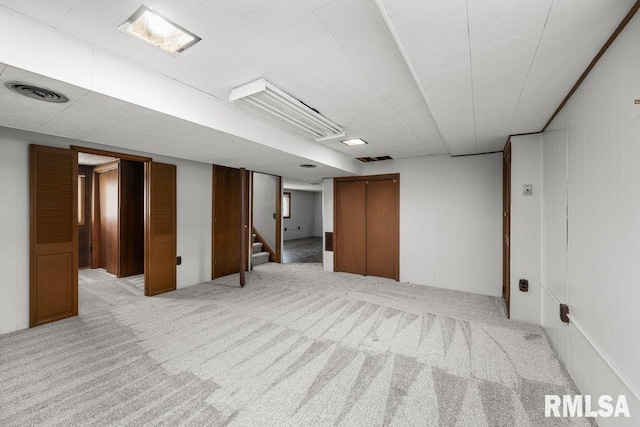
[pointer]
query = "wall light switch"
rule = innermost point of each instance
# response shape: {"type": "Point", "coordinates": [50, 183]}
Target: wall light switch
{"type": "Point", "coordinates": [527, 189]}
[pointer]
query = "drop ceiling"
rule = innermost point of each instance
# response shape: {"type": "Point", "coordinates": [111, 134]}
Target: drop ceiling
{"type": "Point", "coordinates": [411, 77]}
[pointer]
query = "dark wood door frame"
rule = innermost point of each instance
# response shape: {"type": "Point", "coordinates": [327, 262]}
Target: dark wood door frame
{"type": "Point", "coordinates": [95, 256]}
{"type": "Point", "coordinates": [506, 227]}
{"type": "Point", "coordinates": [275, 254]}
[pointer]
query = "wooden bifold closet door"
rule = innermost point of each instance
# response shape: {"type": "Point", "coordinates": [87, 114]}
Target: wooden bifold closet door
{"type": "Point", "coordinates": [366, 225]}
{"type": "Point", "coordinates": [161, 235]}
{"type": "Point", "coordinates": [53, 257]}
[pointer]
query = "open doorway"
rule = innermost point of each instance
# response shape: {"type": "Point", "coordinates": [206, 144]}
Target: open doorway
{"type": "Point", "coordinates": [302, 226]}
{"type": "Point", "coordinates": [111, 219]}
{"type": "Point", "coordinates": [56, 211]}
{"type": "Point", "coordinates": [266, 222]}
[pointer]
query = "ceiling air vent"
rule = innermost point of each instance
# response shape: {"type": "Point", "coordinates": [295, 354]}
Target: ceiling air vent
{"type": "Point", "coordinates": [287, 110]}
{"type": "Point", "coordinates": [374, 159]}
{"type": "Point", "coordinates": [36, 92]}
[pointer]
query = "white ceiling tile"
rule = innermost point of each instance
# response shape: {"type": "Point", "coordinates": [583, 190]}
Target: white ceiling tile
{"type": "Point", "coordinates": [96, 33]}
{"type": "Point", "coordinates": [501, 95]}
{"type": "Point", "coordinates": [285, 22]}
{"type": "Point", "coordinates": [316, 4]}
{"type": "Point", "coordinates": [505, 53]}
{"type": "Point", "coordinates": [5, 36]}
{"type": "Point", "coordinates": [50, 12]}
{"type": "Point", "coordinates": [242, 7]}
{"type": "Point", "coordinates": [504, 19]}
{"type": "Point", "coordinates": [263, 56]}
{"type": "Point", "coordinates": [351, 20]}
{"type": "Point", "coordinates": [292, 79]}
{"type": "Point", "coordinates": [210, 61]}
{"type": "Point", "coordinates": [175, 10]}
{"type": "Point", "coordinates": [570, 19]}
{"type": "Point", "coordinates": [220, 27]}
{"type": "Point", "coordinates": [109, 12]}
{"type": "Point", "coordinates": [431, 22]}
{"type": "Point", "coordinates": [438, 57]}
{"type": "Point", "coordinates": [319, 53]}
{"type": "Point", "coordinates": [342, 77]}
{"type": "Point", "coordinates": [496, 78]}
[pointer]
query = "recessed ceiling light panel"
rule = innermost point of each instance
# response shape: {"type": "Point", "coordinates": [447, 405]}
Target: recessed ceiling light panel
{"type": "Point", "coordinates": [354, 142]}
{"type": "Point", "coordinates": [154, 28]}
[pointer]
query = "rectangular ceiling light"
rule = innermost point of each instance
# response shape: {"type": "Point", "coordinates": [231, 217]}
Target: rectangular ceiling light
{"type": "Point", "coordinates": [354, 142]}
{"type": "Point", "coordinates": [287, 110]}
{"type": "Point", "coordinates": [154, 28]}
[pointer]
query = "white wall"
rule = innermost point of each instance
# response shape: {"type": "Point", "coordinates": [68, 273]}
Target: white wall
{"type": "Point", "coordinates": [193, 222]}
{"type": "Point", "coordinates": [592, 192]}
{"type": "Point", "coordinates": [450, 220]}
{"type": "Point", "coordinates": [327, 221]}
{"type": "Point", "coordinates": [526, 227]}
{"type": "Point", "coordinates": [264, 206]}
{"type": "Point", "coordinates": [302, 215]}
{"type": "Point", "coordinates": [317, 214]}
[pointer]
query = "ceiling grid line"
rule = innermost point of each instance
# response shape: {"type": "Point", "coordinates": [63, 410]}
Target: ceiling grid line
{"type": "Point", "coordinates": [473, 101]}
{"type": "Point", "coordinates": [394, 34]}
{"type": "Point", "coordinates": [374, 86]}
{"type": "Point", "coordinates": [532, 62]}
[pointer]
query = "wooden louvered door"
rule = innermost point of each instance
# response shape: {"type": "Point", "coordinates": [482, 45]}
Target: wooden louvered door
{"type": "Point", "coordinates": [160, 237]}
{"type": "Point", "coordinates": [53, 234]}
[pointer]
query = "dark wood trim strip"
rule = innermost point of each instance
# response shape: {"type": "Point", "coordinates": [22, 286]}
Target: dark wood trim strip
{"type": "Point", "coordinates": [604, 48]}
{"type": "Point", "coordinates": [111, 154]}
{"type": "Point", "coordinates": [260, 238]}
{"type": "Point", "coordinates": [368, 177]}
{"type": "Point", "coordinates": [278, 255]}
{"type": "Point", "coordinates": [243, 226]}
{"type": "Point", "coordinates": [477, 154]}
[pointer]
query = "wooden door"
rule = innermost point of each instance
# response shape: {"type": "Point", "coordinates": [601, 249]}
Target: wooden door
{"type": "Point", "coordinates": [350, 227]}
{"type": "Point", "coordinates": [227, 221]}
{"type": "Point", "coordinates": [382, 219]}
{"type": "Point", "coordinates": [506, 228]}
{"type": "Point", "coordinates": [53, 257]}
{"type": "Point", "coordinates": [108, 218]}
{"type": "Point", "coordinates": [160, 236]}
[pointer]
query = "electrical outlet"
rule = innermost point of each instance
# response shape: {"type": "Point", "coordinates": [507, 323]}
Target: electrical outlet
{"type": "Point", "coordinates": [527, 189]}
{"type": "Point", "coordinates": [524, 285]}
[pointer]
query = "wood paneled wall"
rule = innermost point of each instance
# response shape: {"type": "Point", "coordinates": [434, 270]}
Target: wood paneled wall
{"type": "Point", "coordinates": [118, 237]}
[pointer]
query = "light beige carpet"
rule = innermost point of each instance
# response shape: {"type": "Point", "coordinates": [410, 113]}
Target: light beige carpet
{"type": "Point", "coordinates": [297, 346]}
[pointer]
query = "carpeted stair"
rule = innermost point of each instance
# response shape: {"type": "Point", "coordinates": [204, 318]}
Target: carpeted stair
{"type": "Point", "coordinates": [258, 256]}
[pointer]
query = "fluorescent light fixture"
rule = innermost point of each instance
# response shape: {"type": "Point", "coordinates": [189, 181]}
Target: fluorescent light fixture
{"type": "Point", "coordinates": [354, 142]}
{"type": "Point", "coordinates": [287, 110]}
{"type": "Point", "coordinates": [154, 28]}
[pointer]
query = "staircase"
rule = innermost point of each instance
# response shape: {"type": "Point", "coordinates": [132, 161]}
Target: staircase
{"type": "Point", "coordinates": [258, 256]}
